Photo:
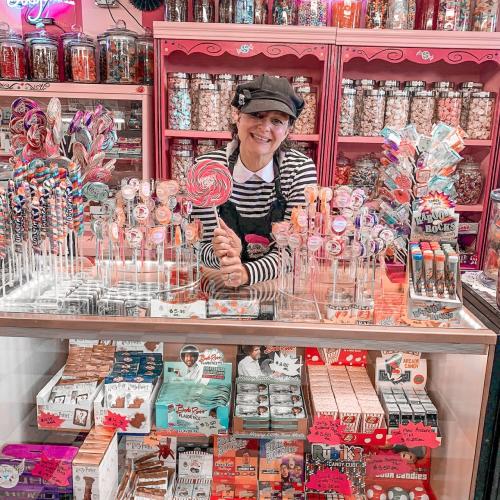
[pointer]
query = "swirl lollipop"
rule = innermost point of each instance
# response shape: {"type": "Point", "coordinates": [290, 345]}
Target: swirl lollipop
{"type": "Point", "coordinates": [209, 184]}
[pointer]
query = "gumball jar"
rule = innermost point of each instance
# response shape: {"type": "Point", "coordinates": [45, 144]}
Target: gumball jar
{"type": "Point", "coordinates": [376, 492]}
{"type": "Point", "coordinates": [397, 493]}
{"type": "Point", "coordinates": [11, 54]}
{"type": "Point", "coordinates": [419, 493]}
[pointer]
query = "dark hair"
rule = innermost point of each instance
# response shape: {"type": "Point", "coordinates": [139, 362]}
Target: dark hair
{"type": "Point", "coordinates": [247, 349]}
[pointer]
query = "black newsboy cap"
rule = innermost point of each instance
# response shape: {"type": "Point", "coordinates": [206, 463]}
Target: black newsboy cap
{"type": "Point", "coordinates": [268, 93]}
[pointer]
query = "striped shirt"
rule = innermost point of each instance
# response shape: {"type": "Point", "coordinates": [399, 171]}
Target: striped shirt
{"type": "Point", "coordinates": [253, 199]}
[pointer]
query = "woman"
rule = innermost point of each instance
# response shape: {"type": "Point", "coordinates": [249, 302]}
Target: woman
{"type": "Point", "coordinates": [268, 181]}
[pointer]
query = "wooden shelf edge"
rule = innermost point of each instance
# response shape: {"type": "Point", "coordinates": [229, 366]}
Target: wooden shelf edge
{"type": "Point", "coordinates": [221, 135]}
{"type": "Point", "coordinates": [469, 208]}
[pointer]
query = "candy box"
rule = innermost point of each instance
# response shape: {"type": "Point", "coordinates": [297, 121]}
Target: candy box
{"type": "Point", "coordinates": [36, 471]}
{"type": "Point", "coordinates": [53, 416]}
{"type": "Point", "coordinates": [136, 420]}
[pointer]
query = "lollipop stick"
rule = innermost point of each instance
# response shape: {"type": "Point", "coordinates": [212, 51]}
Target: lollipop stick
{"type": "Point", "coordinates": [216, 216]}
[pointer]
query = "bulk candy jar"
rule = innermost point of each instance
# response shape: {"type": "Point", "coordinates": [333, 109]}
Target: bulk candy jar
{"type": "Point", "coordinates": [260, 13]}
{"type": "Point", "coordinates": [204, 146]}
{"type": "Point", "coordinates": [312, 12]}
{"type": "Point", "coordinates": [397, 109]}
{"type": "Point", "coordinates": [43, 56]}
{"type": "Point", "coordinates": [364, 174]}
{"type": "Point", "coordinates": [449, 105]}
{"type": "Point", "coordinates": [480, 115]}
{"type": "Point", "coordinates": [306, 122]}
{"type": "Point", "coordinates": [66, 38]}
{"type": "Point", "coordinates": [284, 12]}
{"type": "Point", "coordinates": [145, 64]}
{"type": "Point", "coordinates": [389, 84]}
{"type": "Point", "coordinates": [83, 60]}
{"type": "Point", "coordinates": [346, 13]}
{"type": "Point", "coordinates": [469, 184]}
{"type": "Point", "coordinates": [227, 87]}
{"type": "Point", "coordinates": [121, 54]}
{"type": "Point", "coordinates": [101, 47]}
{"type": "Point", "coordinates": [342, 170]}
{"type": "Point", "coordinates": [204, 11]}
{"type": "Point", "coordinates": [194, 89]}
{"type": "Point", "coordinates": [397, 17]}
{"type": "Point", "coordinates": [467, 89]}
{"type": "Point", "coordinates": [492, 259]}
{"type": "Point", "coordinates": [412, 12]}
{"type": "Point", "coordinates": [181, 160]}
{"type": "Point", "coordinates": [484, 17]}
{"type": "Point", "coordinates": [361, 86]}
{"type": "Point", "coordinates": [304, 147]}
{"type": "Point", "coordinates": [207, 108]}
{"type": "Point", "coordinates": [372, 116]}
{"type": "Point", "coordinates": [11, 54]}
{"type": "Point", "coordinates": [454, 15]}
{"type": "Point", "coordinates": [347, 111]}
{"type": "Point", "coordinates": [176, 10]}
{"type": "Point", "coordinates": [376, 14]}
{"type": "Point", "coordinates": [179, 106]}
{"type": "Point", "coordinates": [226, 11]}
{"type": "Point", "coordinates": [243, 11]}
{"type": "Point", "coordinates": [422, 111]}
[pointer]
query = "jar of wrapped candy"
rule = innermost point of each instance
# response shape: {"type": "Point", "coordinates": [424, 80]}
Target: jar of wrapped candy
{"type": "Point", "coordinates": [397, 109]}
{"type": "Point", "coordinates": [306, 122]}
{"type": "Point", "coordinates": [454, 15]}
{"type": "Point", "coordinates": [422, 108]}
{"type": "Point", "coordinates": [260, 12]}
{"type": "Point", "coordinates": [376, 14]}
{"type": "Point", "coordinates": [208, 107]}
{"type": "Point", "coordinates": [179, 106]}
{"type": "Point", "coordinates": [361, 86]}
{"type": "Point", "coordinates": [364, 174]}
{"type": "Point", "coordinates": [467, 89]}
{"type": "Point", "coordinates": [181, 160]}
{"type": "Point", "coordinates": [484, 17]}
{"type": "Point", "coordinates": [312, 12]}
{"type": "Point", "coordinates": [65, 39]}
{"type": "Point", "coordinates": [227, 87]}
{"type": "Point", "coordinates": [482, 105]}
{"type": "Point", "coordinates": [284, 12]}
{"type": "Point", "coordinates": [244, 11]}
{"type": "Point", "coordinates": [204, 146]}
{"type": "Point", "coordinates": [448, 107]}
{"type": "Point", "coordinates": [121, 54]}
{"type": "Point", "coordinates": [43, 56]}
{"type": "Point", "coordinates": [372, 116]}
{"type": "Point", "coordinates": [389, 84]}
{"type": "Point", "coordinates": [346, 13]}
{"type": "Point", "coordinates": [176, 11]}
{"type": "Point", "coordinates": [469, 185]}
{"type": "Point", "coordinates": [342, 170]}
{"type": "Point", "coordinates": [11, 55]}
{"type": "Point", "coordinates": [412, 12]}
{"type": "Point", "coordinates": [492, 258]}
{"type": "Point", "coordinates": [145, 55]}
{"type": "Point", "coordinates": [226, 11]}
{"type": "Point", "coordinates": [194, 88]}
{"type": "Point", "coordinates": [101, 47]}
{"type": "Point", "coordinates": [347, 112]}
{"type": "Point", "coordinates": [82, 53]}
{"type": "Point", "coordinates": [173, 78]}
{"type": "Point", "coordinates": [397, 17]}
{"type": "Point", "coordinates": [204, 11]}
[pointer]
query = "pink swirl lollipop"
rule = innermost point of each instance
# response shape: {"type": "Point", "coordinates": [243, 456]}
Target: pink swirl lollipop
{"type": "Point", "coordinates": [209, 184]}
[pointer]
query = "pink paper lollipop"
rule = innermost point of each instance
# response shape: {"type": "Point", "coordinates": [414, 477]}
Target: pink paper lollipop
{"type": "Point", "coordinates": [209, 184]}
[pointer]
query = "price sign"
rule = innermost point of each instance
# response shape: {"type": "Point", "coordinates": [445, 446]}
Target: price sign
{"type": "Point", "coordinates": [387, 463]}
{"type": "Point", "coordinates": [49, 420]}
{"type": "Point", "coordinates": [116, 421]}
{"type": "Point", "coordinates": [326, 430]}
{"type": "Point", "coordinates": [413, 435]}
{"type": "Point", "coordinates": [329, 480]}
{"type": "Point", "coordinates": [209, 426]}
{"type": "Point", "coordinates": [53, 471]}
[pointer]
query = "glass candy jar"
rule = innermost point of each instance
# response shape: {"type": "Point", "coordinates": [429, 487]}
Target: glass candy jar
{"type": "Point", "coordinates": [145, 59]}
{"type": "Point", "coordinates": [43, 56]}
{"type": "Point", "coordinates": [376, 14]}
{"type": "Point", "coordinates": [226, 11]}
{"type": "Point", "coordinates": [260, 12]}
{"type": "Point", "coordinates": [346, 13]}
{"type": "Point", "coordinates": [244, 11]}
{"type": "Point", "coordinates": [204, 11]}
{"type": "Point", "coordinates": [397, 108]}
{"type": "Point", "coordinates": [82, 55]}
{"type": "Point", "coordinates": [102, 47]}
{"type": "Point", "coordinates": [454, 15]}
{"type": "Point", "coordinates": [181, 160]}
{"type": "Point", "coordinates": [227, 87]}
{"type": "Point", "coordinates": [11, 54]}
{"type": "Point", "coordinates": [306, 122]}
{"type": "Point", "coordinates": [469, 184]}
{"type": "Point", "coordinates": [361, 86]}
{"type": "Point", "coordinates": [204, 146]}
{"type": "Point", "coordinates": [342, 170]}
{"type": "Point", "coordinates": [121, 54]}
{"type": "Point", "coordinates": [176, 11]}
{"type": "Point", "coordinates": [467, 89]}
{"type": "Point", "coordinates": [179, 106]}
{"type": "Point", "coordinates": [484, 16]}
{"type": "Point", "coordinates": [312, 12]}
{"type": "Point", "coordinates": [284, 12]}
{"type": "Point", "coordinates": [347, 112]}
{"type": "Point", "coordinates": [194, 89]}
{"type": "Point", "coordinates": [397, 15]}
{"type": "Point", "coordinates": [492, 256]}
{"type": "Point", "coordinates": [480, 115]}
{"type": "Point", "coordinates": [364, 174]}
{"type": "Point", "coordinates": [448, 107]}
{"type": "Point", "coordinates": [373, 111]}
{"type": "Point", "coordinates": [422, 111]}
{"type": "Point", "coordinates": [208, 107]}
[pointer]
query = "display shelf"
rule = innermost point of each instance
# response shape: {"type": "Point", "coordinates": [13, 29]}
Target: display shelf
{"type": "Point", "coordinates": [200, 134]}
{"type": "Point", "coordinates": [356, 139]}
{"type": "Point", "coordinates": [469, 208]}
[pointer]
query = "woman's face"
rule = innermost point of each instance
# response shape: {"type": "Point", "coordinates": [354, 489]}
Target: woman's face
{"type": "Point", "coordinates": [262, 133]}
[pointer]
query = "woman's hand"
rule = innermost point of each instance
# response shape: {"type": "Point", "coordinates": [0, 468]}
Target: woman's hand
{"type": "Point", "coordinates": [226, 242]}
{"type": "Point", "coordinates": [233, 272]}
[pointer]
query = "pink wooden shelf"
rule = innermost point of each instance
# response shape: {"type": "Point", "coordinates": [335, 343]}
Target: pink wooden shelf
{"type": "Point", "coordinates": [469, 208]}
{"type": "Point", "coordinates": [478, 142]}
{"type": "Point", "coordinates": [201, 134]}
{"type": "Point", "coordinates": [378, 140]}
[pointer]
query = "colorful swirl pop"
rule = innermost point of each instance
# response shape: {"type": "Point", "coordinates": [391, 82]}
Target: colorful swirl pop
{"type": "Point", "coordinates": [209, 184]}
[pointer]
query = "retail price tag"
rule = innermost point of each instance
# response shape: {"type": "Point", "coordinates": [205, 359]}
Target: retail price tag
{"type": "Point", "coordinates": [115, 420]}
{"type": "Point", "coordinates": [284, 364]}
{"type": "Point", "coordinates": [53, 471]}
{"type": "Point", "coordinates": [387, 463]}
{"type": "Point", "coordinates": [209, 426]}
{"type": "Point", "coordinates": [47, 420]}
{"type": "Point", "coordinates": [161, 309]}
{"type": "Point", "coordinates": [326, 430]}
{"type": "Point", "coordinates": [329, 480]}
{"type": "Point", "coordinates": [413, 435]}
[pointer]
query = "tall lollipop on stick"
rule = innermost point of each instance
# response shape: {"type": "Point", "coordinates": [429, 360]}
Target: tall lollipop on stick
{"type": "Point", "coordinates": [209, 184]}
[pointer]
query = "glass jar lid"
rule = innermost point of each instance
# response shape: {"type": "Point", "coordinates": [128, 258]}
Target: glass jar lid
{"type": "Point", "coordinates": [120, 29]}
{"type": "Point", "coordinates": [449, 93]}
{"type": "Point", "coordinates": [423, 93]}
{"type": "Point", "coordinates": [146, 37]}
{"type": "Point", "coordinates": [201, 76]}
{"type": "Point", "coordinates": [8, 34]}
{"type": "Point", "coordinates": [374, 92]}
{"type": "Point", "coordinates": [225, 76]}
{"type": "Point", "coordinates": [397, 93]}
{"type": "Point", "coordinates": [469, 166]}
{"type": "Point", "coordinates": [365, 83]}
{"type": "Point", "coordinates": [182, 152]}
{"type": "Point", "coordinates": [470, 85]}
{"type": "Point", "coordinates": [180, 76]}
{"type": "Point", "coordinates": [208, 86]}
{"type": "Point", "coordinates": [415, 83]}
{"type": "Point", "coordinates": [389, 83]}
{"type": "Point", "coordinates": [179, 85]}
{"type": "Point", "coordinates": [305, 89]}
{"type": "Point", "coordinates": [301, 79]}
{"type": "Point", "coordinates": [349, 91]}
{"type": "Point", "coordinates": [206, 142]}
{"type": "Point", "coordinates": [246, 78]}
{"type": "Point", "coordinates": [41, 36]}
{"type": "Point", "coordinates": [484, 95]}
{"type": "Point", "coordinates": [443, 85]}
{"type": "Point", "coordinates": [182, 142]}
{"type": "Point", "coordinates": [347, 82]}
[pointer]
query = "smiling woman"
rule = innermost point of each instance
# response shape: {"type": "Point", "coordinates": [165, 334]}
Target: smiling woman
{"type": "Point", "coordinates": [268, 181]}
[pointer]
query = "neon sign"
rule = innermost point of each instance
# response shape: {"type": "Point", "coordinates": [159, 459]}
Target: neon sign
{"type": "Point", "coordinates": [36, 7]}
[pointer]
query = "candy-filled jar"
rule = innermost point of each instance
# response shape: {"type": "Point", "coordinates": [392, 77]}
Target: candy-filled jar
{"type": "Point", "coordinates": [397, 17]}
{"type": "Point", "coordinates": [469, 184]}
{"type": "Point", "coordinates": [244, 11]}
{"type": "Point", "coordinates": [449, 104]}
{"type": "Point", "coordinates": [397, 108]}
{"type": "Point", "coordinates": [121, 54]}
{"type": "Point", "coordinates": [260, 12]}
{"type": "Point", "coordinates": [145, 55]}
{"type": "Point", "coordinates": [181, 144]}
{"type": "Point", "coordinates": [467, 89]}
{"type": "Point", "coordinates": [227, 87]}
{"type": "Point", "coordinates": [82, 53]}
{"type": "Point", "coordinates": [226, 11]}
{"type": "Point", "coordinates": [361, 86]}
{"type": "Point", "coordinates": [346, 13]}
{"type": "Point", "coordinates": [176, 11]}
{"type": "Point", "coordinates": [364, 174]}
{"type": "Point", "coordinates": [480, 115]}
{"type": "Point", "coordinates": [376, 14]}
{"type": "Point", "coordinates": [208, 107]}
{"type": "Point", "coordinates": [284, 12]}
{"type": "Point", "coordinates": [412, 14]}
{"type": "Point", "coordinates": [312, 12]}
{"type": "Point", "coordinates": [484, 17]}
{"type": "Point", "coordinates": [194, 89]}
{"type": "Point", "coordinates": [181, 160]}
{"type": "Point", "coordinates": [66, 38]}
{"type": "Point", "coordinates": [306, 122]}
{"type": "Point", "coordinates": [422, 108]}
{"type": "Point", "coordinates": [347, 112]}
{"type": "Point", "coordinates": [373, 111]}
{"type": "Point", "coordinates": [179, 106]}
{"type": "Point", "coordinates": [102, 47]}
{"type": "Point", "coordinates": [492, 258]}
{"type": "Point", "coordinates": [204, 11]}
{"type": "Point", "coordinates": [43, 56]}
{"type": "Point", "coordinates": [454, 15]}
{"type": "Point", "coordinates": [342, 169]}
{"type": "Point", "coordinates": [11, 55]}
{"type": "Point", "coordinates": [304, 147]}
{"type": "Point", "coordinates": [204, 146]}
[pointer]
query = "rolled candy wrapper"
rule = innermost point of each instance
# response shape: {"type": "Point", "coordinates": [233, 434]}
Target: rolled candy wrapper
{"type": "Point", "coordinates": [209, 184]}
{"type": "Point", "coordinates": [35, 117]}
{"type": "Point", "coordinates": [22, 105]}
